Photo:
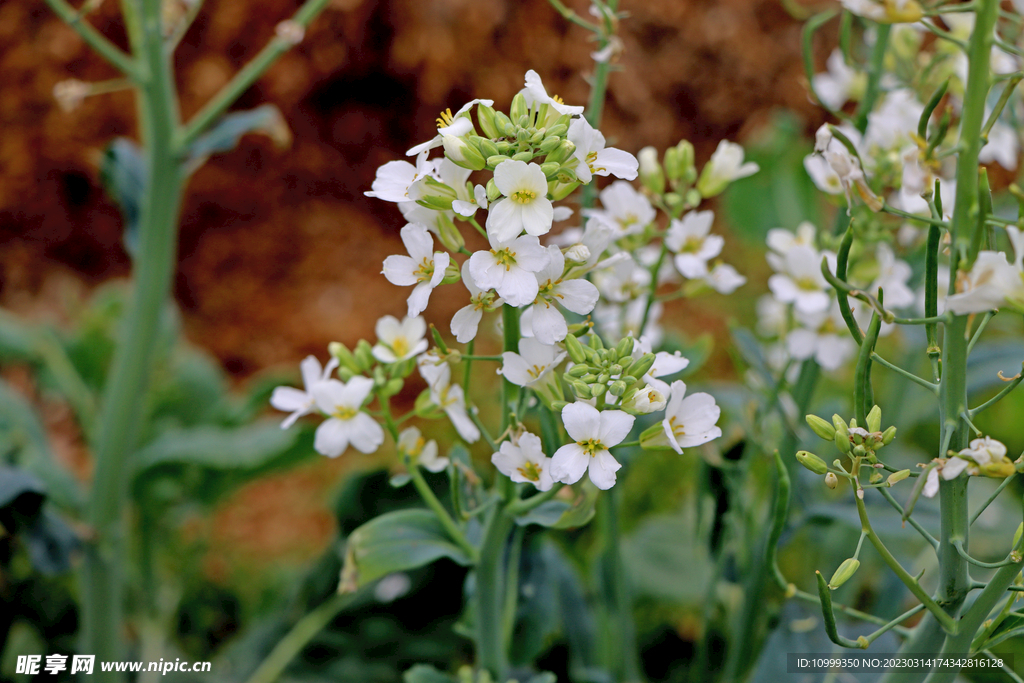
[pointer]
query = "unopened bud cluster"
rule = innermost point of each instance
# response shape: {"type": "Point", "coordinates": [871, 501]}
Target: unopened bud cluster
{"type": "Point", "coordinates": [598, 371]}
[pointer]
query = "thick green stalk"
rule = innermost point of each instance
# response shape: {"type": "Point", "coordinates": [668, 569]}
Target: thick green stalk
{"type": "Point", "coordinates": [622, 653]}
{"type": "Point", "coordinates": [122, 411]}
{"type": "Point", "coordinates": [489, 596]}
{"type": "Point", "coordinates": [954, 581]}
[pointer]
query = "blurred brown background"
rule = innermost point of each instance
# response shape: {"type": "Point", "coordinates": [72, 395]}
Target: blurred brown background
{"type": "Point", "coordinates": [280, 252]}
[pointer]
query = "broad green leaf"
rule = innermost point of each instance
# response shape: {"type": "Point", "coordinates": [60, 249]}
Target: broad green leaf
{"type": "Point", "coordinates": [396, 541]}
{"type": "Point", "coordinates": [666, 560]}
{"type": "Point", "coordinates": [225, 134]}
{"type": "Point", "coordinates": [559, 514]}
{"type": "Point", "coordinates": [1011, 627]}
{"type": "Point", "coordinates": [218, 448]}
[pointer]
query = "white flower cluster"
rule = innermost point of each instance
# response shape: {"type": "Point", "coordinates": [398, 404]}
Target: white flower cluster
{"type": "Point", "coordinates": [536, 155]}
{"type": "Point", "coordinates": [992, 281]}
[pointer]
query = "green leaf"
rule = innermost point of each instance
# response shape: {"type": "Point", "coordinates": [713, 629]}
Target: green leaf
{"type": "Point", "coordinates": [424, 673]}
{"type": "Point", "coordinates": [396, 541]}
{"type": "Point", "coordinates": [667, 561]}
{"type": "Point", "coordinates": [558, 514]}
{"type": "Point", "coordinates": [217, 448]}
{"type": "Point", "coordinates": [226, 133]}
{"type": "Point", "coordinates": [1011, 627]}
{"type": "Point", "coordinates": [123, 175]}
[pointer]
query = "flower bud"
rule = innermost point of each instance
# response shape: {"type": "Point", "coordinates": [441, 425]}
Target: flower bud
{"type": "Point", "coordinates": [577, 253]}
{"type": "Point", "coordinates": [874, 419]}
{"type": "Point", "coordinates": [623, 349]}
{"type": "Point", "coordinates": [842, 441]}
{"type": "Point", "coordinates": [821, 427]}
{"type": "Point", "coordinates": [449, 236]}
{"type": "Point", "coordinates": [598, 388]}
{"type": "Point", "coordinates": [641, 365]}
{"type": "Point", "coordinates": [486, 116]}
{"type": "Point", "coordinates": [566, 175]}
{"type": "Point", "coordinates": [577, 371]}
{"type": "Point", "coordinates": [831, 480]}
{"type": "Point", "coordinates": [642, 402]}
{"type": "Point", "coordinates": [651, 174]}
{"type": "Point", "coordinates": [617, 388]}
{"type": "Point", "coordinates": [392, 386]}
{"type": "Point", "coordinates": [492, 190]}
{"type": "Point", "coordinates": [550, 169]}
{"type": "Point", "coordinates": [845, 572]}
{"type": "Point", "coordinates": [537, 137]}
{"type": "Point", "coordinates": [575, 350]}
{"type": "Point", "coordinates": [654, 438]}
{"type": "Point", "coordinates": [812, 462]}
{"type": "Point", "coordinates": [888, 435]}
{"type": "Point", "coordinates": [519, 109]}
{"type": "Point", "coordinates": [463, 154]}
{"type": "Point", "coordinates": [558, 191]}
{"type": "Point", "coordinates": [853, 423]}
{"type": "Point", "coordinates": [875, 477]}
{"type": "Point", "coordinates": [563, 151]}
{"type": "Point", "coordinates": [580, 389]}
{"type": "Point", "coordinates": [345, 373]}
{"type": "Point", "coordinates": [897, 477]}
{"type": "Point", "coordinates": [486, 147]}
{"type": "Point", "coordinates": [496, 159]}
{"type": "Point", "coordinates": [364, 355]}
{"type": "Point", "coordinates": [558, 130]}
{"type": "Point", "coordinates": [522, 156]}
{"type": "Point", "coordinates": [426, 408]}
{"type": "Point", "coordinates": [344, 356]}
{"type": "Point", "coordinates": [558, 405]}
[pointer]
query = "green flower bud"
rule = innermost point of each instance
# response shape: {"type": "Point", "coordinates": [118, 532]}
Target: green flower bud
{"type": "Point", "coordinates": [672, 164]}
{"type": "Point", "coordinates": [651, 174]}
{"type": "Point", "coordinates": [624, 348]}
{"type": "Point", "coordinates": [344, 356]}
{"type": "Point", "coordinates": [580, 389]}
{"type": "Point", "coordinates": [838, 422]}
{"type": "Point", "coordinates": [451, 274]}
{"type": "Point", "coordinates": [575, 349]}
{"type": "Point", "coordinates": [425, 408]}
{"type": "Point", "coordinates": [693, 198]}
{"type": "Point", "coordinates": [463, 154]}
{"type": "Point", "coordinates": [831, 480]}
{"type": "Point", "coordinates": [579, 370]}
{"type": "Point", "coordinates": [566, 175]}
{"type": "Point", "coordinates": [845, 572]}
{"type": "Point", "coordinates": [859, 451]}
{"type": "Point", "coordinates": [674, 200]}
{"type": "Point", "coordinates": [550, 169]}
{"type": "Point", "coordinates": [523, 156]}
{"type": "Point", "coordinates": [345, 373]}
{"type": "Point", "coordinates": [449, 235]}
{"type": "Point", "coordinates": [435, 203]}
{"type": "Point", "coordinates": [875, 477]}
{"type": "Point", "coordinates": [615, 369]}
{"type": "Point", "coordinates": [812, 462]}
{"type": "Point", "coordinates": [888, 435]}
{"type": "Point", "coordinates": [364, 355]}
{"type": "Point", "coordinates": [598, 389]}
{"type": "Point", "coordinates": [842, 441]}
{"type": "Point", "coordinates": [487, 118]}
{"type": "Point", "coordinates": [392, 386]}
{"type": "Point", "coordinates": [486, 147]}
{"type": "Point", "coordinates": [853, 423]}
{"type": "Point", "coordinates": [563, 151]}
{"type": "Point", "coordinates": [496, 159]}
{"type": "Point", "coordinates": [897, 477]}
{"type": "Point", "coordinates": [589, 378]}
{"type": "Point", "coordinates": [874, 419]}
{"type": "Point", "coordinates": [559, 191]}
{"type": "Point", "coordinates": [640, 366]}
{"type": "Point", "coordinates": [519, 108]}
{"type": "Point", "coordinates": [595, 342]}
{"type": "Point", "coordinates": [617, 388]}
{"type": "Point", "coordinates": [558, 405]}
{"type": "Point", "coordinates": [537, 137]}
{"type": "Point", "coordinates": [523, 122]}
{"type": "Point", "coordinates": [821, 427]}
{"type": "Point", "coordinates": [558, 130]}
{"type": "Point", "coordinates": [687, 168]}
{"type": "Point", "coordinates": [492, 191]}
{"type": "Point", "coordinates": [653, 438]}
{"type": "Point", "coordinates": [549, 144]}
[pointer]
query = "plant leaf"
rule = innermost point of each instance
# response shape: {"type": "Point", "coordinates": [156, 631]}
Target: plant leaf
{"type": "Point", "coordinates": [246, 447]}
{"type": "Point", "coordinates": [226, 133]}
{"type": "Point", "coordinates": [396, 541]}
{"type": "Point", "coordinates": [124, 176]}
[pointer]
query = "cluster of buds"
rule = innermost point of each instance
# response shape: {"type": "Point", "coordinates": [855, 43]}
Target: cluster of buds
{"type": "Point", "coordinates": [850, 438]}
{"type": "Point", "coordinates": [598, 371]}
{"type": "Point", "coordinates": [673, 180]}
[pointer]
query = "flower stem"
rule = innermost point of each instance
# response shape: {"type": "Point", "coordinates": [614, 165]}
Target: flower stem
{"type": "Point", "coordinates": [489, 597]}
{"type": "Point", "coordinates": [292, 644]}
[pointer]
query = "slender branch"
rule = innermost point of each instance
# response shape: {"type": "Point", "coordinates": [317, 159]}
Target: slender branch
{"type": "Point", "coordinates": [934, 542]}
{"type": "Point", "coordinates": [454, 532]}
{"type": "Point", "coordinates": [295, 641]}
{"type": "Point", "coordinates": [1000, 396]}
{"type": "Point", "coordinates": [934, 388]}
{"type": "Point", "coordinates": [248, 75]}
{"type": "Point", "coordinates": [850, 611]}
{"type": "Point", "coordinates": [125, 63]}
{"type": "Point", "coordinates": [1000, 105]}
{"type": "Point", "coordinates": [876, 68]}
{"type": "Point", "coordinates": [981, 328]}
{"type": "Point", "coordinates": [888, 208]}
{"type": "Point", "coordinates": [894, 623]}
{"type": "Point", "coordinates": [571, 16]}
{"type": "Point", "coordinates": [959, 545]}
{"type": "Point", "coordinates": [999, 489]}
{"type": "Point", "coordinates": [521, 507]}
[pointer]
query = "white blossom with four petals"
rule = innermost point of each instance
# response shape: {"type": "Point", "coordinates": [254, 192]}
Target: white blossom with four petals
{"type": "Point", "coordinates": [399, 340]}
{"type": "Point", "coordinates": [523, 461]}
{"type": "Point", "coordinates": [593, 433]}
{"type": "Point", "coordinates": [346, 423]}
{"type": "Point", "coordinates": [525, 204]}
{"type": "Point", "coordinates": [509, 267]}
{"type": "Point", "coordinates": [421, 268]}
{"type": "Point", "coordinates": [297, 401]}
{"type": "Point", "coordinates": [595, 158]}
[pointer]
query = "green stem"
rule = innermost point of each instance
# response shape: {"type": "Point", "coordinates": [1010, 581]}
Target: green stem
{"type": "Point", "coordinates": [875, 71]}
{"type": "Point", "coordinates": [302, 633]}
{"type": "Point", "coordinates": [978, 563]}
{"type": "Point", "coordinates": [998, 397]}
{"type": "Point", "coordinates": [914, 217]}
{"type": "Point", "coordinates": [454, 532]}
{"type": "Point", "coordinates": [932, 541]}
{"type": "Point", "coordinates": [934, 388]}
{"type": "Point", "coordinates": [988, 501]}
{"type": "Point", "coordinates": [623, 653]}
{"type": "Point", "coordinates": [598, 90]}
{"type": "Point", "coordinates": [216, 107]}
{"type": "Point", "coordinates": [96, 40]}
{"type": "Point", "coordinates": [521, 507]}
{"type": "Point", "coordinates": [122, 409]}
{"type": "Point", "coordinates": [512, 584]}
{"type": "Point", "coordinates": [981, 328]}
{"type": "Point", "coordinates": [489, 597]}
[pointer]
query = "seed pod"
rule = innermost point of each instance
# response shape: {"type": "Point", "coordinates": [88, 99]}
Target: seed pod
{"type": "Point", "coordinates": [845, 572]}
{"type": "Point", "coordinates": [831, 480]}
{"type": "Point", "coordinates": [888, 435]}
{"type": "Point", "coordinates": [874, 419]}
{"type": "Point", "coordinates": [897, 477]}
{"type": "Point", "coordinates": [812, 462]}
{"type": "Point", "coordinates": [821, 427]}
{"type": "Point", "coordinates": [575, 349]}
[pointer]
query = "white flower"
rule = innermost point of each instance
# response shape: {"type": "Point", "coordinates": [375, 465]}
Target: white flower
{"type": "Point", "coordinates": [893, 274]}
{"type": "Point", "coordinates": [420, 451]}
{"type": "Point", "coordinates": [420, 267]}
{"type": "Point", "coordinates": [725, 166]}
{"type": "Point", "coordinates": [532, 364]}
{"type": "Point", "coordinates": [346, 423]}
{"type": "Point", "coordinates": [846, 167]}
{"type": "Point", "coordinates": [468, 208]}
{"type": "Point", "coordinates": [595, 158]}
{"type": "Point", "coordinates": [466, 320]}
{"type": "Point", "coordinates": [952, 468]}
{"type": "Point", "coordinates": [931, 484]}
{"type": "Point", "coordinates": [622, 280]}
{"type": "Point", "coordinates": [576, 294]}
{"type": "Point", "coordinates": [450, 124]}
{"type": "Point", "coordinates": [823, 337]}
{"type": "Point", "coordinates": [691, 241]}
{"type": "Point", "coordinates": [801, 283]}
{"type": "Point", "coordinates": [300, 402]}
{"type": "Point", "coordinates": [985, 450]}
{"type": "Point", "coordinates": [835, 86]}
{"type": "Point", "coordinates": [1002, 147]}
{"type": "Point", "coordinates": [525, 205]}
{"type": "Point", "coordinates": [822, 175]}
{"type": "Point", "coordinates": [891, 124]}
{"type": "Point", "coordinates": [397, 341]}
{"type": "Point", "coordinates": [535, 92]}
{"type": "Point", "coordinates": [447, 396]}
{"type": "Point", "coordinates": [649, 399]}
{"type": "Point", "coordinates": [780, 241]}
{"type": "Point", "coordinates": [626, 211]}
{"type": "Point", "coordinates": [618, 320]}
{"type": "Point", "coordinates": [524, 461]}
{"type": "Point", "coordinates": [772, 316]}
{"type": "Point", "coordinates": [594, 432]}
{"type": "Point", "coordinates": [508, 268]}
{"type": "Point", "coordinates": [396, 177]}
{"type": "Point", "coordinates": [688, 422]}
{"type": "Point", "coordinates": [724, 279]}
{"type": "Point", "coordinates": [665, 364]}
{"type": "Point", "coordinates": [990, 282]}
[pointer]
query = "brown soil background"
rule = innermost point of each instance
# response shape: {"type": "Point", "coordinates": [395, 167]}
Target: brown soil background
{"type": "Point", "coordinates": [280, 252]}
